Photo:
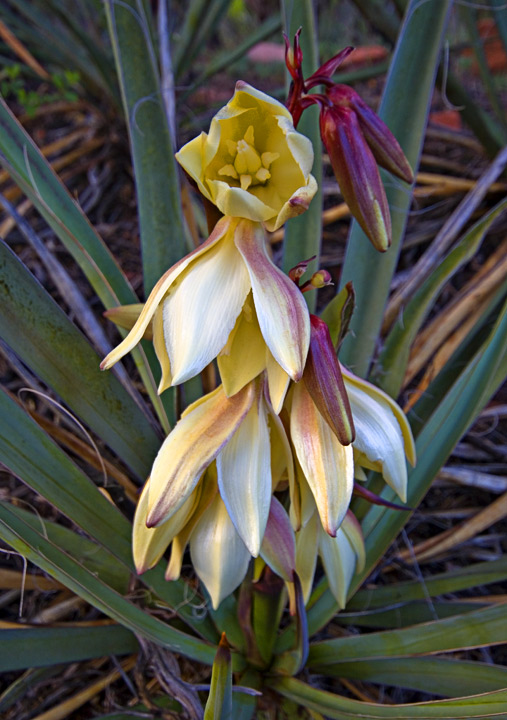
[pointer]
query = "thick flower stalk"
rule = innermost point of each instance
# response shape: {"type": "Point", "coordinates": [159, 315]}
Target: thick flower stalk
{"type": "Point", "coordinates": [356, 140]}
{"type": "Point", "coordinates": [227, 294]}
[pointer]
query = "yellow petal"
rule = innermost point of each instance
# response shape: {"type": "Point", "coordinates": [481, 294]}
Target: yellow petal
{"type": "Point", "coordinates": [161, 350]}
{"type": "Point", "coordinates": [125, 316]}
{"type": "Point", "coordinates": [278, 382]}
{"type": "Point", "coordinates": [149, 544]}
{"type": "Point", "coordinates": [193, 444]}
{"type": "Point", "coordinates": [281, 309]}
{"type": "Point", "coordinates": [244, 356]}
{"type": "Point", "coordinates": [327, 464]}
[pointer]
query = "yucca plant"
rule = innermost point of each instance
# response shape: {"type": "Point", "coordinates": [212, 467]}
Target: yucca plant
{"type": "Point", "coordinates": [251, 658]}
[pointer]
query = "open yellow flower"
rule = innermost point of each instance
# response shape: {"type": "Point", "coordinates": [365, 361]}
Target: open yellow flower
{"type": "Point", "coordinates": [252, 164]}
{"type": "Point", "coordinates": [228, 282]}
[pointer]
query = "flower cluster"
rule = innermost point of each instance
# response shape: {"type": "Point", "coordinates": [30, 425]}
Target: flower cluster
{"type": "Point", "coordinates": [287, 423]}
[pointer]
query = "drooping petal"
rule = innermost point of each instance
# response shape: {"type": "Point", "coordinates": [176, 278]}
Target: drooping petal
{"type": "Point", "coordinates": [208, 489]}
{"type": "Point", "coordinates": [244, 356]}
{"type": "Point", "coordinates": [200, 310]}
{"type": "Point", "coordinates": [324, 382]}
{"type": "Point", "coordinates": [352, 529]}
{"type": "Point", "coordinates": [307, 544]}
{"type": "Point", "coordinates": [356, 172]}
{"type": "Point", "coordinates": [219, 556]}
{"type": "Point", "coordinates": [278, 549]}
{"type": "Point", "coordinates": [244, 476]}
{"type": "Point", "coordinates": [339, 560]}
{"type": "Point", "coordinates": [161, 350]}
{"type": "Point", "coordinates": [278, 382]}
{"type": "Point", "coordinates": [384, 399]}
{"type": "Point", "coordinates": [379, 437]}
{"type": "Point", "coordinates": [281, 309]}
{"type": "Point", "coordinates": [193, 444]}
{"type": "Point", "coordinates": [158, 293]}
{"type": "Point", "coordinates": [149, 544]}
{"type": "Point", "coordinates": [326, 463]}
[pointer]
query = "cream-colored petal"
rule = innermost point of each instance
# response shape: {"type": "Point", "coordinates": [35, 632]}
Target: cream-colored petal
{"type": "Point", "coordinates": [244, 476]}
{"type": "Point", "coordinates": [244, 356]}
{"type": "Point", "coordinates": [339, 560]}
{"type": "Point", "coordinates": [307, 542]}
{"type": "Point", "coordinates": [158, 293]}
{"type": "Point", "coordinates": [352, 529]}
{"type": "Point", "coordinates": [379, 437]}
{"type": "Point", "coordinates": [208, 489]}
{"type": "Point", "coordinates": [200, 310]}
{"type": "Point", "coordinates": [193, 444]}
{"type": "Point", "coordinates": [281, 309]}
{"type": "Point", "coordinates": [149, 544]}
{"type": "Point", "coordinates": [219, 556]}
{"type": "Point", "coordinates": [327, 464]}
{"type": "Point", "coordinates": [384, 399]}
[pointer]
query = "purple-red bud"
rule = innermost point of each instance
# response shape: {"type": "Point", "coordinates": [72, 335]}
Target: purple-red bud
{"type": "Point", "coordinates": [324, 382]}
{"type": "Point", "coordinates": [297, 272]}
{"type": "Point", "coordinates": [356, 172]}
{"type": "Point", "coordinates": [323, 75]}
{"type": "Point", "coordinates": [384, 146]}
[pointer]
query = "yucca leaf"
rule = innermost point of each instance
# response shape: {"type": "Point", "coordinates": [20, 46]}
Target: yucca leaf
{"type": "Point", "coordinates": [38, 647]}
{"type": "Point", "coordinates": [31, 455]}
{"type": "Point", "coordinates": [155, 169]}
{"type": "Point", "coordinates": [393, 360]}
{"type": "Point", "coordinates": [53, 560]}
{"type": "Point", "coordinates": [411, 613]}
{"type": "Point", "coordinates": [40, 333]}
{"type": "Point", "coordinates": [24, 161]}
{"type": "Point", "coordinates": [341, 708]}
{"type": "Point", "coordinates": [439, 676]}
{"type": "Point", "coordinates": [219, 703]}
{"type": "Point", "coordinates": [463, 578]}
{"type": "Point", "coordinates": [91, 555]}
{"type": "Point", "coordinates": [404, 108]}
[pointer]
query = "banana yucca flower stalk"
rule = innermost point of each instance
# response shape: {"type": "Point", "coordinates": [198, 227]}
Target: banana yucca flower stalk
{"type": "Point", "coordinates": [256, 168]}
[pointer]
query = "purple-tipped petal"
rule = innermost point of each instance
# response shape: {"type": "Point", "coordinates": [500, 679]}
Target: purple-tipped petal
{"type": "Point", "coordinates": [278, 547]}
{"type": "Point", "coordinates": [356, 172]}
{"type": "Point", "coordinates": [324, 382]}
{"type": "Point", "coordinates": [281, 309]}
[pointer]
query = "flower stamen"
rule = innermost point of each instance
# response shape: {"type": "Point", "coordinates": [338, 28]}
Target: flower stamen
{"type": "Point", "coordinates": [249, 167]}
